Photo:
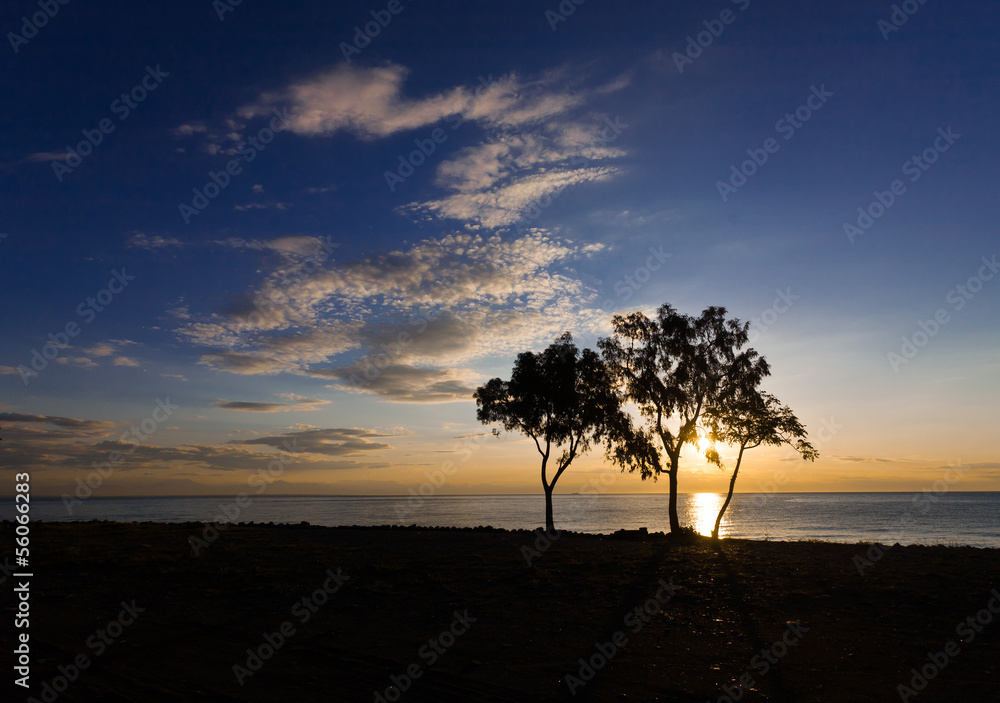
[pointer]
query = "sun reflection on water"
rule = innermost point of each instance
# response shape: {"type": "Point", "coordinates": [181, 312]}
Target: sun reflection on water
{"type": "Point", "coordinates": [704, 510]}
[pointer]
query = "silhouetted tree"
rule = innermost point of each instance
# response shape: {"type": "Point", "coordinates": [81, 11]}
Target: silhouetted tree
{"type": "Point", "coordinates": [563, 398]}
{"type": "Point", "coordinates": [673, 368]}
{"type": "Point", "coordinates": [747, 422]}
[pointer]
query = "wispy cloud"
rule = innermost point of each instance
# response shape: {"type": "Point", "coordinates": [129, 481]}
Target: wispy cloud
{"type": "Point", "coordinates": [141, 240]}
{"type": "Point", "coordinates": [108, 347]}
{"type": "Point", "coordinates": [401, 383]}
{"type": "Point", "coordinates": [55, 442]}
{"type": "Point", "coordinates": [81, 362]}
{"type": "Point", "coordinates": [255, 407]}
{"type": "Point", "coordinates": [330, 442]}
{"type": "Point", "coordinates": [450, 300]}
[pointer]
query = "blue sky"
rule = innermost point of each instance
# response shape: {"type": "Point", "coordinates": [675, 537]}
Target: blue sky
{"type": "Point", "coordinates": [480, 179]}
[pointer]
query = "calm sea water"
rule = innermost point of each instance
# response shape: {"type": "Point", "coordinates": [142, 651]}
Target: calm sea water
{"type": "Point", "coordinates": [908, 518]}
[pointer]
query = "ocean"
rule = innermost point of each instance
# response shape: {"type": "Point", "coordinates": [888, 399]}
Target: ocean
{"type": "Point", "coordinates": [954, 518]}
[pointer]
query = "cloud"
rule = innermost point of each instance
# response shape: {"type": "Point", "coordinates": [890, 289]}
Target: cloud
{"type": "Point", "coordinates": [247, 364]}
{"type": "Point", "coordinates": [141, 240]}
{"type": "Point", "coordinates": [103, 349]}
{"type": "Point", "coordinates": [52, 442]}
{"type": "Point", "coordinates": [8, 371]}
{"type": "Point", "coordinates": [860, 459]}
{"type": "Point", "coordinates": [80, 362]}
{"type": "Point", "coordinates": [366, 101]}
{"type": "Point", "coordinates": [187, 130]}
{"type": "Point", "coordinates": [517, 173]}
{"type": "Point", "coordinates": [108, 347]}
{"type": "Point", "coordinates": [542, 135]}
{"type": "Point", "coordinates": [370, 101]}
{"type": "Point", "coordinates": [438, 303]}
{"type": "Point", "coordinates": [508, 204]}
{"type": "Point", "coordinates": [330, 442]}
{"type": "Point", "coordinates": [245, 406]}
{"type": "Point", "coordinates": [291, 245]}
{"type": "Point", "coordinates": [79, 427]}
{"type": "Point", "coordinates": [261, 206]}
{"type": "Point", "coordinates": [401, 383]}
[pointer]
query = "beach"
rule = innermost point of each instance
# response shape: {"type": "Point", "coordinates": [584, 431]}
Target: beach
{"type": "Point", "coordinates": [189, 612]}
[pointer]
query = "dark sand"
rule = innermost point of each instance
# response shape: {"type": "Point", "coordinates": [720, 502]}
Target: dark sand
{"type": "Point", "coordinates": [531, 627]}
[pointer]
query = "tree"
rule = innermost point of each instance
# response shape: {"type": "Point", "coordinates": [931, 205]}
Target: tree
{"type": "Point", "coordinates": [674, 368]}
{"type": "Point", "coordinates": [748, 422]}
{"type": "Point", "coordinates": [563, 398]}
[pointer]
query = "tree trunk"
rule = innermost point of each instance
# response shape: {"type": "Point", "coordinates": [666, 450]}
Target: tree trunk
{"type": "Point", "coordinates": [675, 525]}
{"type": "Point", "coordinates": [732, 485]}
{"type": "Point", "coordinates": [547, 487]}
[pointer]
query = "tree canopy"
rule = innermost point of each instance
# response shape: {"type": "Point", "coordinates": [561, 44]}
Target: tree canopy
{"type": "Point", "coordinates": [564, 398]}
{"type": "Point", "coordinates": [748, 421]}
{"type": "Point", "coordinates": [676, 367]}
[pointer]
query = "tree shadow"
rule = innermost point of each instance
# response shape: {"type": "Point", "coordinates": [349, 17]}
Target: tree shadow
{"type": "Point", "coordinates": [773, 679]}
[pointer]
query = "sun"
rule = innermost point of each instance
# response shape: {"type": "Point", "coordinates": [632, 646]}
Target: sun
{"type": "Point", "coordinates": [702, 444]}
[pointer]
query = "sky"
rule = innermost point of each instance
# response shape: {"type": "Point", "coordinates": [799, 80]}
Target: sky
{"type": "Point", "coordinates": [252, 248]}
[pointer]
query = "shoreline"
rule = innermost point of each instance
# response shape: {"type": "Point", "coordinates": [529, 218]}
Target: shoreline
{"type": "Point", "coordinates": [640, 534]}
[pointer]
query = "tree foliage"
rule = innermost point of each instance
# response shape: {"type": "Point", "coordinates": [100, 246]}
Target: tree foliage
{"type": "Point", "coordinates": [564, 398]}
{"type": "Point", "coordinates": [676, 367]}
{"type": "Point", "coordinates": [750, 420]}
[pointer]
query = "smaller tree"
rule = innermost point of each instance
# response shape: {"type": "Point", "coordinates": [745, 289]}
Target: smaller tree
{"type": "Point", "coordinates": [747, 422]}
{"type": "Point", "coordinates": [563, 398]}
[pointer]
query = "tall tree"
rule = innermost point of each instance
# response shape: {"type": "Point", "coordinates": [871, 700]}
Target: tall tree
{"type": "Point", "coordinates": [564, 398]}
{"type": "Point", "coordinates": [674, 367]}
{"type": "Point", "coordinates": [747, 422]}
